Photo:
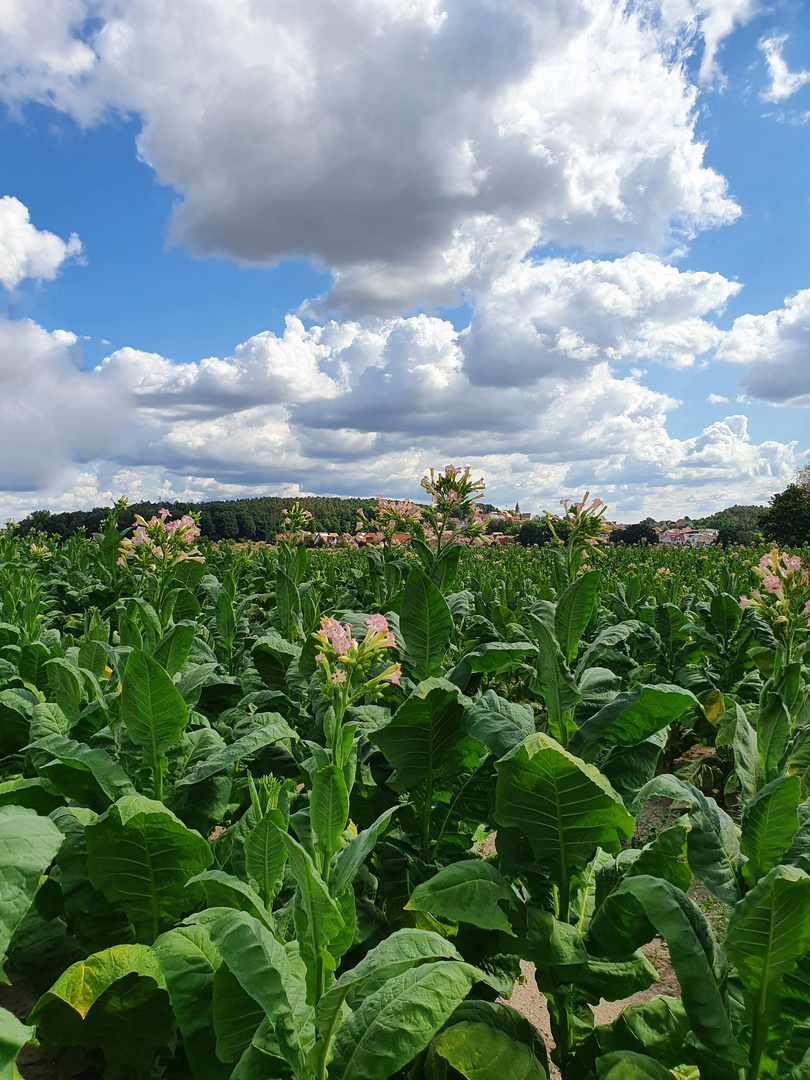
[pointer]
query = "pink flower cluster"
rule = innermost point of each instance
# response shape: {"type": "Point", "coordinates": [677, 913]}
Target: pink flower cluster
{"type": "Point", "coordinates": [338, 647]}
{"type": "Point", "coordinates": [163, 539]}
{"type": "Point", "coordinates": [786, 580]}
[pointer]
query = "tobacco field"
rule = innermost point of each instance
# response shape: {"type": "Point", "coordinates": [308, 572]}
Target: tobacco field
{"type": "Point", "coordinates": [244, 792]}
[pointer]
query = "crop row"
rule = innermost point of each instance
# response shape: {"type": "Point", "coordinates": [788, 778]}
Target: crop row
{"type": "Point", "coordinates": [244, 793]}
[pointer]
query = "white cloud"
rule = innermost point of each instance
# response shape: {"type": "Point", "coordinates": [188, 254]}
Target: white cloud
{"type": "Point", "coordinates": [775, 348]}
{"type": "Point", "coordinates": [354, 407]}
{"type": "Point", "coordinates": [405, 145]}
{"type": "Point", "coordinates": [717, 399]}
{"type": "Point", "coordinates": [27, 252]}
{"type": "Point", "coordinates": [784, 82]}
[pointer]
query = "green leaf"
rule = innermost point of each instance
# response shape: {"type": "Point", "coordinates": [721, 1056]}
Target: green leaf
{"type": "Point", "coordinates": [493, 656]}
{"type": "Point", "coordinates": [88, 776]}
{"type": "Point", "coordinates": [275, 729]}
{"type": "Point", "coordinates": [769, 932]}
{"type": "Point", "coordinates": [575, 609]}
{"type": "Point", "coordinates": [481, 1052]}
{"type": "Point", "coordinates": [265, 855]}
{"type": "Point", "coordinates": [141, 856]}
{"type": "Point", "coordinates": [237, 1017]}
{"type": "Point", "coordinates": [13, 1037]}
{"type": "Point", "coordinates": [66, 684]}
{"type": "Point", "coordinates": [425, 738]}
{"type": "Point", "coordinates": [725, 615]}
{"type": "Point", "coordinates": [227, 891]}
{"type": "Point", "coordinates": [28, 844]}
{"type": "Point", "coordinates": [188, 961]}
{"type": "Point", "coordinates": [288, 602]}
{"type": "Point", "coordinates": [773, 733]}
{"type": "Point", "coordinates": [631, 717]}
{"type": "Point", "coordinates": [641, 905]}
{"type": "Point", "coordinates": [328, 810]}
{"type": "Point", "coordinates": [713, 847]}
{"type": "Point", "coordinates": [171, 652]}
{"type": "Point", "coordinates": [398, 1021]}
{"type": "Point", "coordinates": [497, 723]}
{"type": "Point", "coordinates": [151, 706]}
{"type": "Point", "coordinates": [348, 861]}
{"type": "Point", "coordinates": [316, 916]}
{"type": "Point", "coordinates": [555, 681]}
{"type": "Point", "coordinates": [605, 639]}
{"type": "Point", "coordinates": [115, 1000]}
{"type": "Point", "coordinates": [565, 807]}
{"type": "Point", "coordinates": [225, 619]}
{"type": "Point", "coordinates": [465, 892]}
{"type": "Point", "coordinates": [627, 1065]}
{"type": "Point", "coordinates": [425, 623]}
{"type": "Point", "coordinates": [262, 967]}
{"type": "Point", "coordinates": [16, 708]}
{"type": "Point", "coordinates": [769, 822]}
{"type": "Point", "coordinates": [397, 953]}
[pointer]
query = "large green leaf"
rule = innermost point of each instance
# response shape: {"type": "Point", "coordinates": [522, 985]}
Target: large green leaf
{"type": "Point", "coordinates": [555, 681]}
{"type": "Point", "coordinates": [13, 1037]}
{"type": "Point", "coordinates": [497, 723]}
{"type": "Point", "coordinates": [397, 953]}
{"type": "Point", "coordinates": [398, 1021]}
{"type": "Point", "coordinates": [262, 967]}
{"type": "Point", "coordinates": [495, 655]}
{"type": "Point", "coordinates": [640, 906]}
{"type": "Point", "coordinates": [328, 810]}
{"type": "Point", "coordinates": [627, 1065]}
{"type": "Point", "coordinates": [565, 807]}
{"type": "Point", "coordinates": [425, 738]}
{"type": "Point", "coordinates": [480, 1052]}
{"type": "Point", "coordinates": [151, 706]}
{"type": "Point", "coordinates": [188, 961]}
{"type": "Point", "coordinates": [171, 652]}
{"type": "Point", "coordinates": [115, 1000]}
{"type": "Point", "coordinates": [769, 932]}
{"type": "Point", "coordinates": [769, 822]}
{"type": "Point", "coordinates": [575, 609]}
{"type": "Point", "coordinates": [713, 846]}
{"type": "Point", "coordinates": [288, 603]}
{"type": "Point", "coordinates": [465, 892]}
{"type": "Point", "coordinates": [274, 729]}
{"type": "Point", "coordinates": [631, 717]}
{"type": "Point", "coordinates": [67, 686]}
{"type": "Point", "coordinates": [425, 623]}
{"type": "Point", "coordinates": [28, 844]}
{"type": "Point", "coordinates": [227, 891]}
{"type": "Point", "coordinates": [316, 916]}
{"type": "Point", "coordinates": [141, 856]}
{"type": "Point", "coordinates": [88, 776]}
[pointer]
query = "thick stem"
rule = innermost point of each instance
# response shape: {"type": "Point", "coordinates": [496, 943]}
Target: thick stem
{"type": "Point", "coordinates": [759, 1037]}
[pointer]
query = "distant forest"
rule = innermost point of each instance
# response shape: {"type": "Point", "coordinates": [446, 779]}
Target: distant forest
{"type": "Point", "coordinates": [236, 519]}
{"type": "Point", "coordinates": [262, 518]}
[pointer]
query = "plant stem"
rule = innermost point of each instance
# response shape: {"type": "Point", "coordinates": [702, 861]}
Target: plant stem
{"type": "Point", "coordinates": [759, 1035]}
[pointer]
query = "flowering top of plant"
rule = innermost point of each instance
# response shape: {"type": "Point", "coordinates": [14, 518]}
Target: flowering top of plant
{"type": "Point", "coordinates": [343, 662]}
{"type": "Point", "coordinates": [295, 528]}
{"type": "Point", "coordinates": [453, 495]}
{"type": "Point", "coordinates": [581, 526]}
{"type": "Point", "coordinates": [390, 517]}
{"type": "Point", "coordinates": [161, 541]}
{"type": "Point", "coordinates": [787, 586]}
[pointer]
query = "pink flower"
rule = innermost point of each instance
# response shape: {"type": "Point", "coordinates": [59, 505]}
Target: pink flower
{"type": "Point", "coordinates": [598, 502]}
{"type": "Point", "coordinates": [378, 623]}
{"type": "Point", "coordinates": [164, 513]}
{"type": "Point", "coordinates": [772, 583]}
{"type": "Point", "coordinates": [319, 658]}
{"type": "Point", "coordinates": [579, 505]}
{"type": "Point", "coordinates": [337, 677]}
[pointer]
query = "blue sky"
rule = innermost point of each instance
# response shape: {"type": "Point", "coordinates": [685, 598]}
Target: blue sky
{"type": "Point", "coordinates": [320, 251]}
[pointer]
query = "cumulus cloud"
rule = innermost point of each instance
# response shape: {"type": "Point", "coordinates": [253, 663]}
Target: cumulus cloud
{"type": "Point", "coordinates": [27, 252]}
{"type": "Point", "coordinates": [716, 399]}
{"type": "Point", "coordinates": [350, 407]}
{"type": "Point", "coordinates": [404, 144]}
{"type": "Point", "coordinates": [775, 348]}
{"type": "Point", "coordinates": [52, 414]}
{"type": "Point", "coordinates": [784, 82]}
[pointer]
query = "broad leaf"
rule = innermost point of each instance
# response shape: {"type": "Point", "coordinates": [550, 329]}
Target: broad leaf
{"type": "Point", "coordinates": [28, 844]}
{"type": "Point", "coordinates": [151, 706]}
{"type": "Point", "coordinates": [425, 623]}
{"type": "Point", "coordinates": [480, 1052]}
{"type": "Point", "coordinates": [465, 892]}
{"type": "Point", "coordinates": [398, 1021]}
{"type": "Point", "coordinates": [141, 856]}
{"type": "Point", "coordinates": [769, 822]}
{"type": "Point", "coordinates": [188, 961]}
{"type": "Point", "coordinates": [88, 776]}
{"type": "Point", "coordinates": [328, 810]}
{"type": "Point", "coordinates": [565, 807]}
{"type": "Point", "coordinates": [275, 729]}
{"type": "Point", "coordinates": [497, 723]}
{"type": "Point", "coordinates": [631, 717]}
{"type": "Point", "coordinates": [575, 609]}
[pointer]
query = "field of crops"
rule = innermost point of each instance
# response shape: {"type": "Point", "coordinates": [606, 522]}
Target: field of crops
{"type": "Point", "coordinates": [243, 795]}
